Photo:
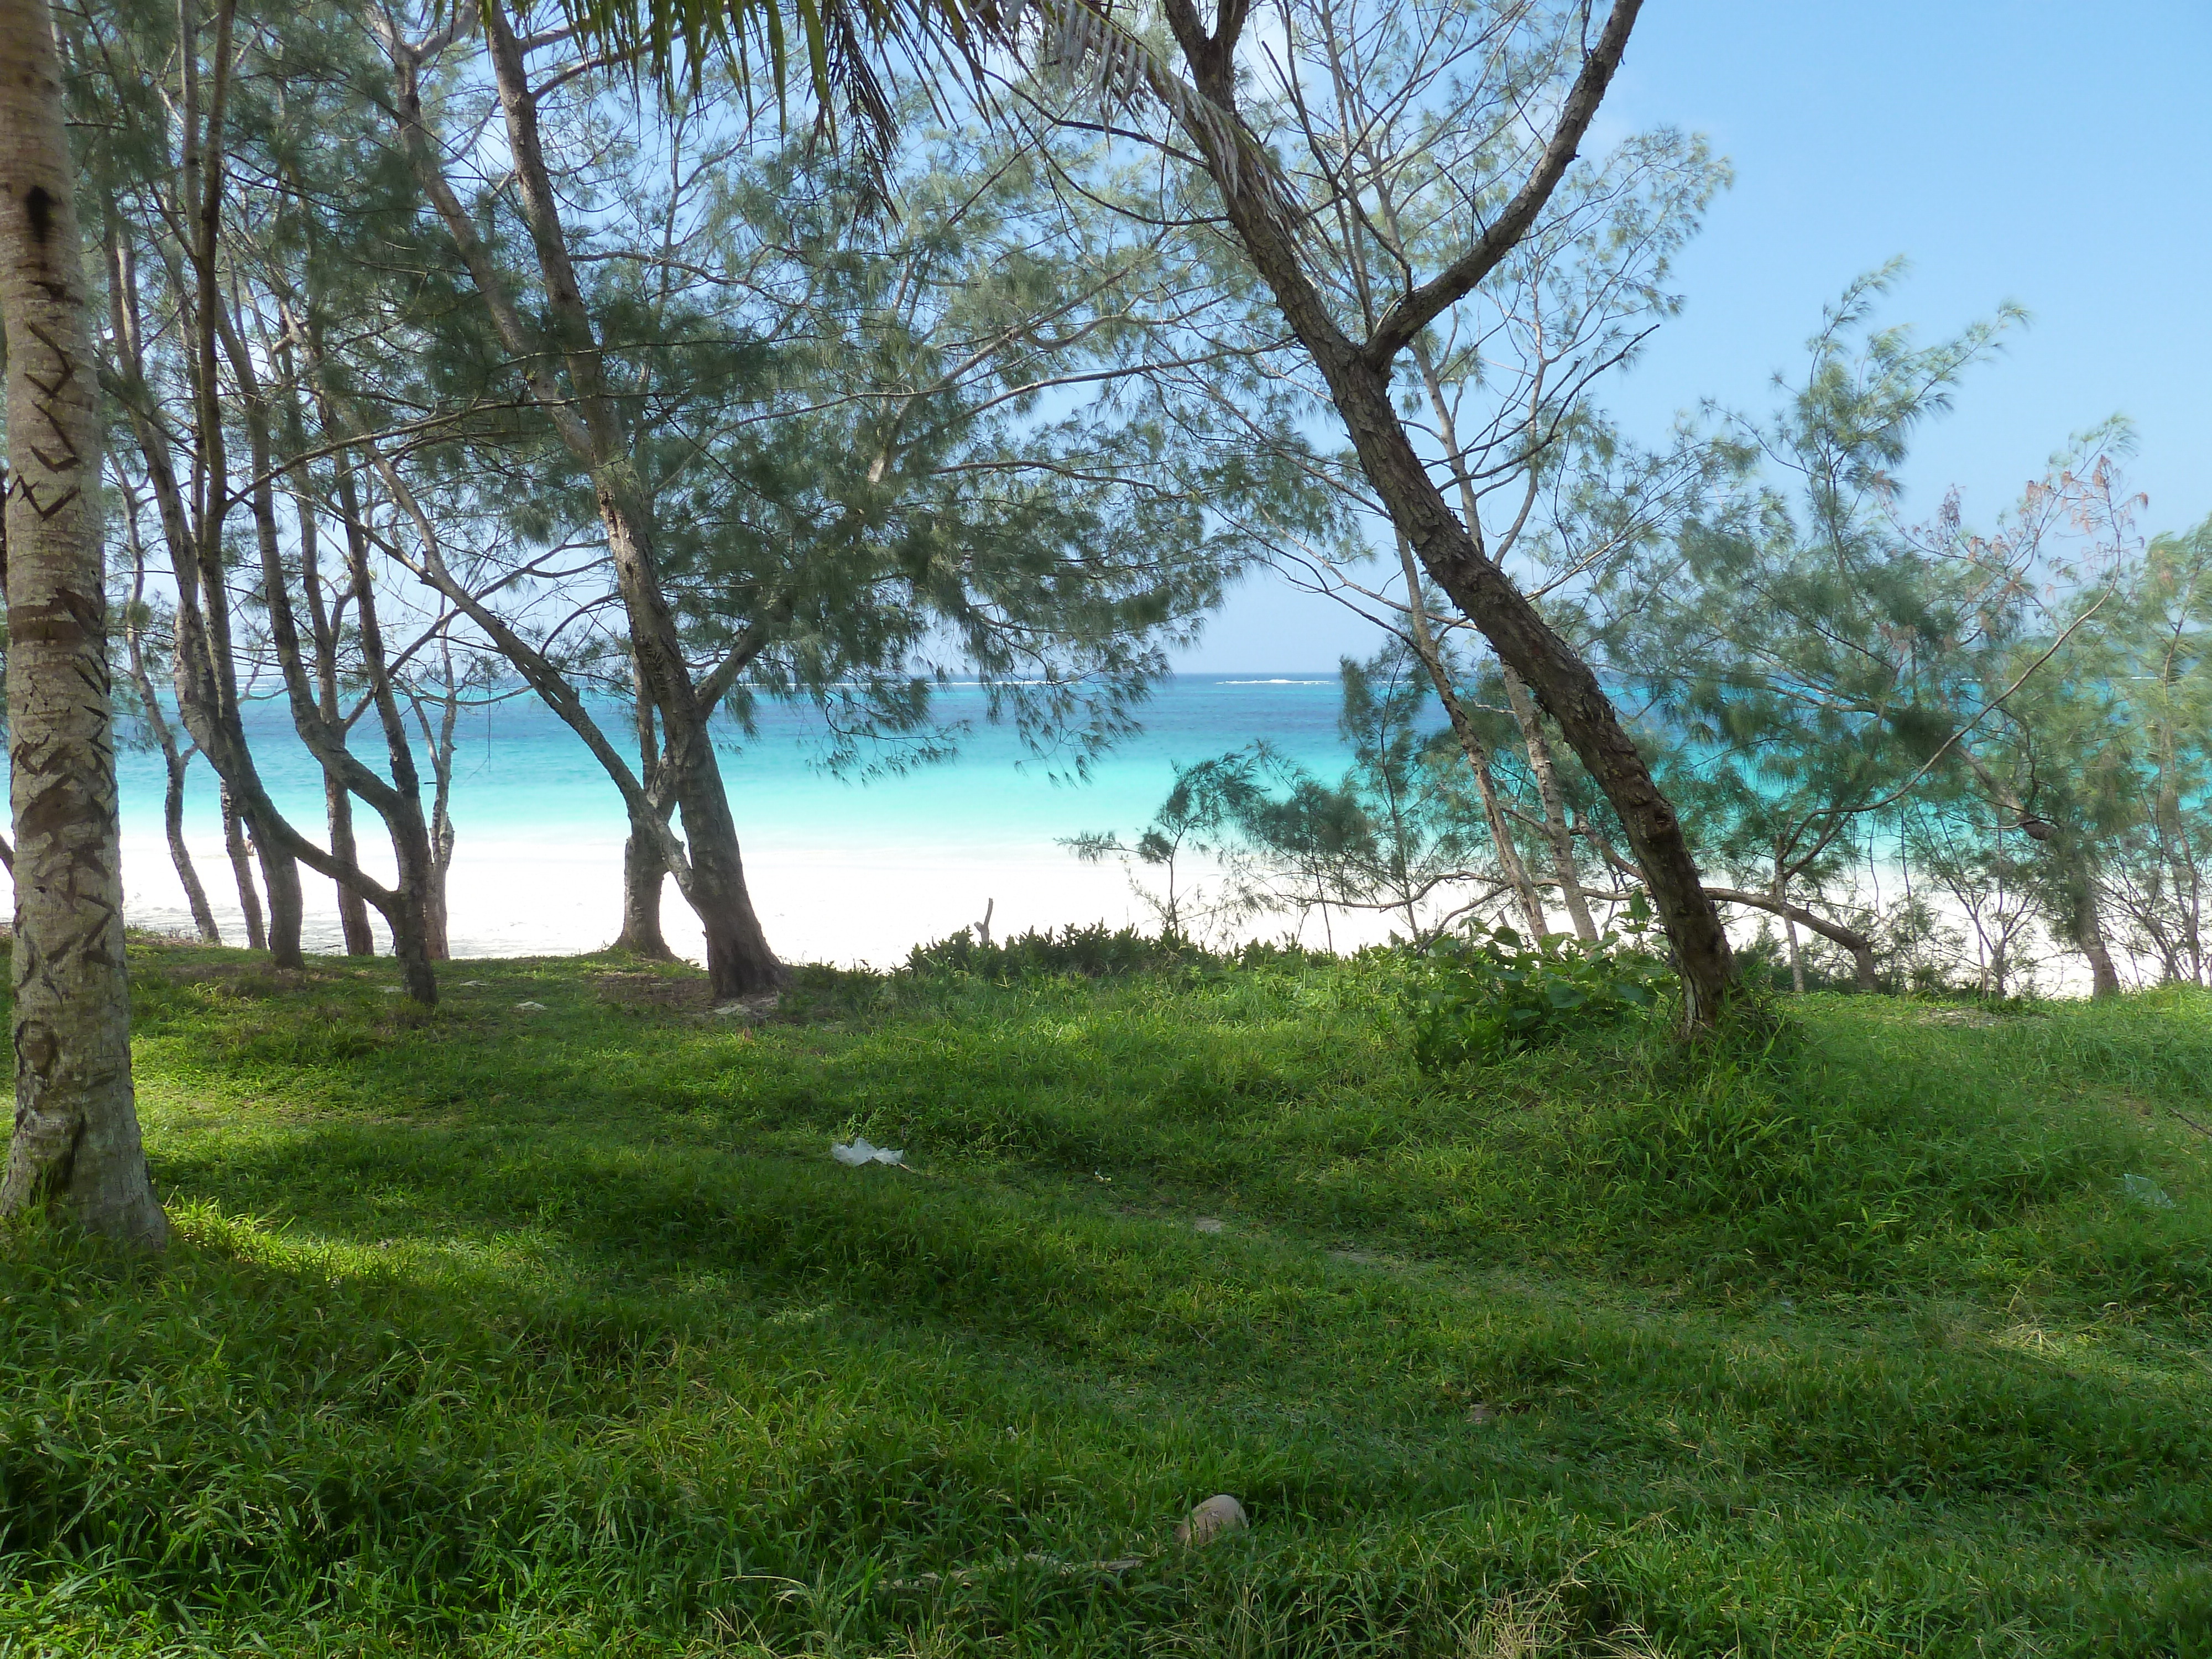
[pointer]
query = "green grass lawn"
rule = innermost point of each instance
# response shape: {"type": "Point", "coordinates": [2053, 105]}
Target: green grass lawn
{"type": "Point", "coordinates": [557, 1331]}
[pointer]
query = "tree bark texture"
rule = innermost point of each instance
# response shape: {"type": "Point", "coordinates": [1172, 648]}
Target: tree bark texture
{"type": "Point", "coordinates": [1359, 378]}
{"type": "Point", "coordinates": [643, 871]}
{"type": "Point", "coordinates": [173, 821]}
{"type": "Point", "coordinates": [644, 868]}
{"type": "Point", "coordinates": [241, 869]}
{"type": "Point", "coordinates": [280, 879]}
{"type": "Point", "coordinates": [76, 1142]}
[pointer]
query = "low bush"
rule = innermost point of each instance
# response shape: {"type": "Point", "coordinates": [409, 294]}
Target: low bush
{"type": "Point", "coordinates": [1486, 994]}
{"type": "Point", "coordinates": [1092, 953]}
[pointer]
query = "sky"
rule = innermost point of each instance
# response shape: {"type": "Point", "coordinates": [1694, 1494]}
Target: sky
{"type": "Point", "coordinates": [2057, 156]}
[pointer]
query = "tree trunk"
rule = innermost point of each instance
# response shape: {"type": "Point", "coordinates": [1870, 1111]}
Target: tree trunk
{"type": "Point", "coordinates": [173, 820]}
{"type": "Point", "coordinates": [1864, 968]}
{"type": "Point", "coordinates": [76, 1142]}
{"type": "Point", "coordinates": [2085, 920]}
{"type": "Point", "coordinates": [435, 928]}
{"type": "Point", "coordinates": [643, 871]}
{"type": "Point", "coordinates": [175, 763]}
{"type": "Point", "coordinates": [1358, 377]}
{"type": "Point", "coordinates": [2082, 920]}
{"type": "Point", "coordinates": [644, 867]}
{"type": "Point", "coordinates": [241, 868]}
{"type": "Point", "coordinates": [738, 960]}
{"type": "Point", "coordinates": [1557, 829]}
{"type": "Point", "coordinates": [353, 909]}
{"type": "Point", "coordinates": [324, 622]}
{"type": "Point", "coordinates": [1782, 908]}
{"type": "Point", "coordinates": [280, 879]}
{"type": "Point", "coordinates": [1471, 746]}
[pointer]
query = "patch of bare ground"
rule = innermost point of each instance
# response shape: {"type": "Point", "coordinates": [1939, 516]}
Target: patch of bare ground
{"type": "Point", "coordinates": [652, 993]}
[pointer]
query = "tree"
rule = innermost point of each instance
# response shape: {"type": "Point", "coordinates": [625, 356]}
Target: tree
{"type": "Point", "coordinates": [867, 451]}
{"type": "Point", "coordinates": [1794, 636]}
{"type": "Point", "coordinates": [1836, 682]}
{"type": "Point", "coordinates": [138, 619]}
{"type": "Point", "coordinates": [1480, 69]}
{"type": "Point", "coordinates": [1395, 836]}
{"type": "Point", "coordinates": [2156, 654]}
{"type": "Point", "coordinates": [196, 357]}
{"type": "Point", "coordinates": [76, 1142]}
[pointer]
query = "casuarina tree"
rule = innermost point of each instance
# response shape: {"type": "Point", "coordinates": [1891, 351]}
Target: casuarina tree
{"type": "Point", "coordinates": [1295, 182]}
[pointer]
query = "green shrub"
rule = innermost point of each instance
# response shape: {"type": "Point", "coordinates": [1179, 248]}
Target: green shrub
{"type": "Point", "coordinates": [1093, 952]}
{"type": "Point", "coordinates": [1487, 996]}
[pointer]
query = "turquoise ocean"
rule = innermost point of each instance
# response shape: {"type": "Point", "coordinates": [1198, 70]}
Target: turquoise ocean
{"type": "Point", "coordinates": [843, 868]}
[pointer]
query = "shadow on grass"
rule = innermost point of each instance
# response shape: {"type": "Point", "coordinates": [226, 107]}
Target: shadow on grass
{"type": "Point", "coordinates": [474, 1383]}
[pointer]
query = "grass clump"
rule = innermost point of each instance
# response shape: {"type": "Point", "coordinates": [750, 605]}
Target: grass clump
{"type": "Point", "coordinates": [513, 1332]}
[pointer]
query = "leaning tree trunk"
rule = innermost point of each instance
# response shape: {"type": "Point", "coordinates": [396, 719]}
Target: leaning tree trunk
{"type": "Point", "coordinates": [2084, 917]}
{"type": "Point", "coordinates": [739, 962]}
{"type": "Point", "coordinates": [76, 1142]}
{"type": "Point", "coordinates": [1359, 376]}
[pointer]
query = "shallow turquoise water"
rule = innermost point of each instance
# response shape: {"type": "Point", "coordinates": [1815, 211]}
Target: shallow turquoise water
{"type": "Point", "coordinates": [520, 769]}
{"type": "Point", "coordinates": [539, 826]}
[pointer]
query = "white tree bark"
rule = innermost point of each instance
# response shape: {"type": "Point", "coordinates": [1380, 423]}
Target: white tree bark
{"type": "Point", "coordinates": [76, 1142]}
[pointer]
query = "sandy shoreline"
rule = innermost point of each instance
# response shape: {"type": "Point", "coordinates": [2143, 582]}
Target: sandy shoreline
{"type": "Point", "coordinates": [561, 896]}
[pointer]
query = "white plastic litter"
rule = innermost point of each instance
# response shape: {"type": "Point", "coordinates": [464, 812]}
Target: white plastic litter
{"type": "Point", "coordinates": [858, 1151]}
{"type": "Point", "coordinates": [529, 1007]}
{"type": "Point", "coordinates": [2144, 1190]}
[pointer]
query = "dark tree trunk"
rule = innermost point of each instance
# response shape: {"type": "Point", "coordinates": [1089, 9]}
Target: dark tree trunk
{"type": "Point", "coordinates": [1359, 377]}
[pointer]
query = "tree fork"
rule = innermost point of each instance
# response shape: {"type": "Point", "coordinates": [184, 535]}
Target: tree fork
{"type": "Point", "coordinates": [1358, 380]}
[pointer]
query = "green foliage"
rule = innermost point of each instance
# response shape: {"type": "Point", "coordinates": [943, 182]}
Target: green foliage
{"type": "Point", "coordinates": [1397, 834]}
{"type": "Point", "coordinates": [1489, 993]}
{"type": "Point", "coordinates": [1092, 953]}
{"type": "Point", "coordinates": [517, 1333]}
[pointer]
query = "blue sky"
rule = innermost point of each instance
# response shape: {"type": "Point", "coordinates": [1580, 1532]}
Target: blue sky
{"type": "Point", "coordinates": [2057, 155]}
